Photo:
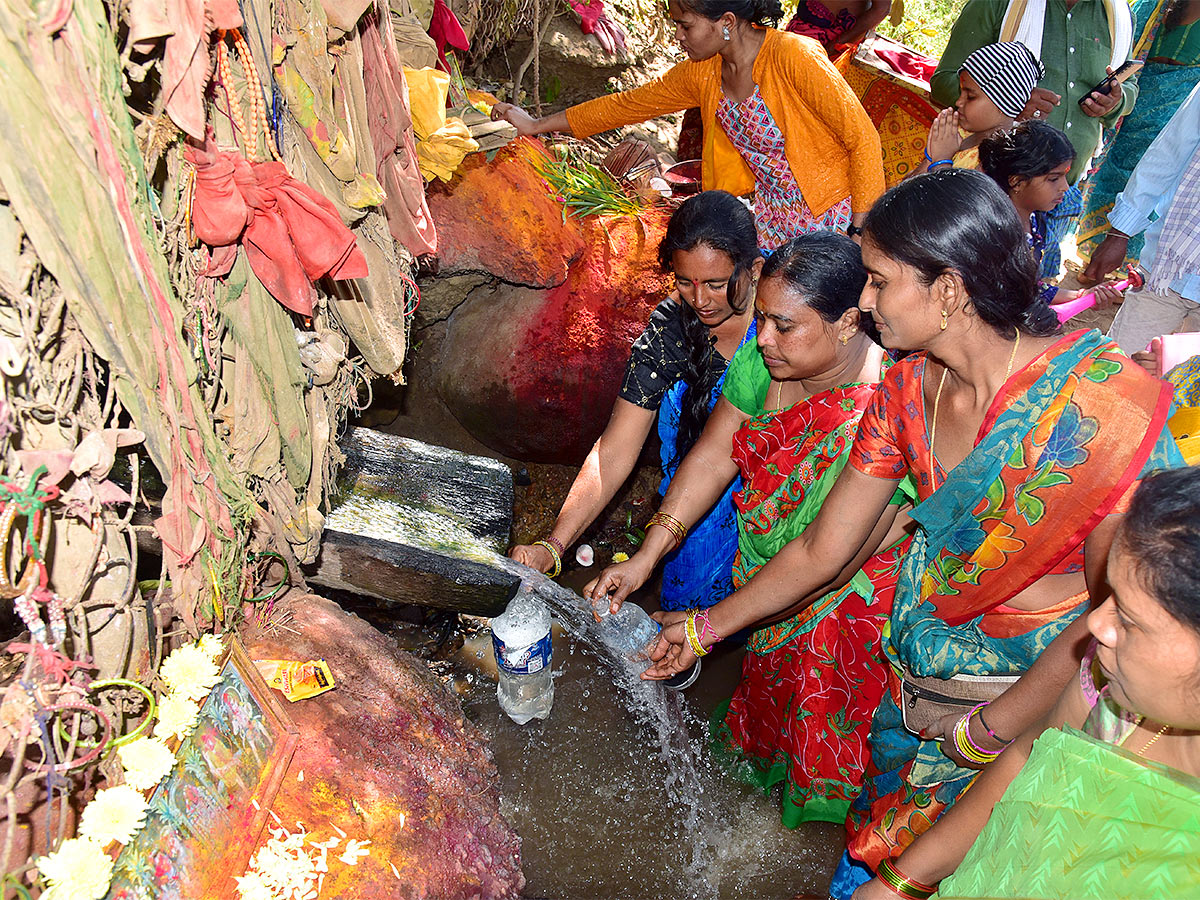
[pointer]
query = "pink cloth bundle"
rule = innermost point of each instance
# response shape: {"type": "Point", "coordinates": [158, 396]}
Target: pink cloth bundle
{"type": "Point", "coordinates": [292, 234]}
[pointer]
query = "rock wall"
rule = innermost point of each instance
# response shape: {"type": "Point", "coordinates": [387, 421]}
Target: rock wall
{"type": "Point", "coordinates": [533, 356]}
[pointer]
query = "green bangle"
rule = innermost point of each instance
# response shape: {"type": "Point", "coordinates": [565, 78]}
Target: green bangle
{"type": "Point", "coordinates": [554, 554]}
{"type": "Point", "coordinates": [902, 884]}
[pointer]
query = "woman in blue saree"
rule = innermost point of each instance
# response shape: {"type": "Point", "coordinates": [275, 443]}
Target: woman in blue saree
{"type": "Point", "coordinates": [676, 371]}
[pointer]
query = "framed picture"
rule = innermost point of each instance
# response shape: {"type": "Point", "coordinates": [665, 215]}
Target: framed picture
{"type": "Point", "coordinates": [207, 816]}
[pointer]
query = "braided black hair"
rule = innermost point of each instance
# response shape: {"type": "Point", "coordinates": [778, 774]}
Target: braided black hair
{"type": "Point", "coordinates": [1025, 151]}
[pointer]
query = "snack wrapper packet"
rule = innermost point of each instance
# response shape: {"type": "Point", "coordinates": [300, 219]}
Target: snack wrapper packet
{"type": "Point", "coordinates": [297, 680]}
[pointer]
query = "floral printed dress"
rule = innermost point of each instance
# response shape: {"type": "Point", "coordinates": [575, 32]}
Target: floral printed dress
{"type": "Point", "coordinates": [780, 211]}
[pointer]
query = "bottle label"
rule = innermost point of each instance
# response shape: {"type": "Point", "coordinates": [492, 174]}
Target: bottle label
{"type": "Point", "coordinates": [522, 660]}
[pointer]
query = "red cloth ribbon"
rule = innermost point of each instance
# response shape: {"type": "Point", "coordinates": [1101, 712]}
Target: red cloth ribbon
{"type": "Point", "coordinates": [445, 29]}
{"type": "Point", "coordinates": [292, 234]}
{"type": "Point", "coordinates": [908, 62]}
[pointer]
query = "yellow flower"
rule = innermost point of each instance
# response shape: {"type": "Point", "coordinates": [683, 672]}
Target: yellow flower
{"type": "Point", "coordinates": [176, 717]}
{"type": "Point", "coordinates": [620, 557]}
{"type": "Point", "coordinates": [190, 672]}
{"type": "Point", "coordinates": [115, 814]}
{"type": "Point", "coordinates": [147, 761]}
{"type": "Point", "coordinates": [211, 645]}
{"type": "Point", "coordinates": [78, 870]}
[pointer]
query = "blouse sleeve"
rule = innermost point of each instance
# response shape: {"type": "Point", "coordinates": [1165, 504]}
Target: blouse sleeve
{"type": "Point", "coordinates": [876, 449]}
{"type": "Point", "coordinates": [657, 359]}
{"type": "Point", "coordinates": [823, 89]}
{"type": "Point", "coordinates": [747, 379]}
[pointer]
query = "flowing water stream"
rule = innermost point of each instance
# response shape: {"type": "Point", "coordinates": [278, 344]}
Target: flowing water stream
{"type": "Point", "coordinates": [616, 795]}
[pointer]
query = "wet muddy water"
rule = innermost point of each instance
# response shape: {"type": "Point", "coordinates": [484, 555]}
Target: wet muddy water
{"type": "Point", "coordinates": [615, 795]}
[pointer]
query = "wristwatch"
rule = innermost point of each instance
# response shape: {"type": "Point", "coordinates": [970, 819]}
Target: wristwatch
{"type": "Point", "coordinates": [853, 230]}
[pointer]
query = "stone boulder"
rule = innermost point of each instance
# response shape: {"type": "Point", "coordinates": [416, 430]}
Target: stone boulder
{"type": "Point", "coordinates": [533, 373]}
{"type": "Point", "coordinates": [500, 218]}
{"type": "Point", "coordinates": [388, 757]}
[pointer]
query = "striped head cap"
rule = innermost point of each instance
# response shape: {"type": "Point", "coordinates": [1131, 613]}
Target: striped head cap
{"type": "Point", "coordinates": [1007, 73]}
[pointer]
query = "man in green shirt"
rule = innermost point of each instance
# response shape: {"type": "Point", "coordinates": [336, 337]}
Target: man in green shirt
{"type": "Point", "coordinates": [1077, 42]}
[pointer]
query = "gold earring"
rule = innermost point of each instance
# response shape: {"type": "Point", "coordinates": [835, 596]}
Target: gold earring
{"type": "Point", "coordinates": [945, 319]}
{"type": "Point", "coordinates": [845, 339]}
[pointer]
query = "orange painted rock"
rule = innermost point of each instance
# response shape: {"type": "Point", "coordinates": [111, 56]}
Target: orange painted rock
{"type": "Point", "coordinates": [388, 757]}
{"type": "Point", "coordinates": [500, 217]}
{"type": "Point", "coordinates": [534, 373]}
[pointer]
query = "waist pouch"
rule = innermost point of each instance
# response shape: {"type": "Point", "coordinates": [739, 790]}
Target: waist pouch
{"type": "Point", "coordinates": [925, 700]}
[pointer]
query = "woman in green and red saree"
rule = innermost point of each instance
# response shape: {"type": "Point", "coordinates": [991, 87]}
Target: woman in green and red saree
{"type": "Point", "coordinates": [810, 682]}
{"type": "Point", "coordinates": [1024, 444]}
{"type": "Point", "coordinates": [790, 409]}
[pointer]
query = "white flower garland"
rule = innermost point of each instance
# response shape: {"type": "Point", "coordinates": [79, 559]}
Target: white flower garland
{"type": "Point", "coordinates": [80, 869]}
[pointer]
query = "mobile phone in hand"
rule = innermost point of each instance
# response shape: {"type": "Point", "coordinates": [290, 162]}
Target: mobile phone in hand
{"type": "Point", "coordinates": [1126, 71]}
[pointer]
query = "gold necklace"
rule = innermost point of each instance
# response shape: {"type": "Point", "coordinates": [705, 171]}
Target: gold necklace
{"type": "Point", "coordinates": [1154, 740]}
{"type": "Point", "coordinates": [937, 399]}
{"type": "Point", "coordinates": [779, 394]}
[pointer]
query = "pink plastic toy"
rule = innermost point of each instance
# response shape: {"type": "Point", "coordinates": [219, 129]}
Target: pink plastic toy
{"type": "Point", "coordinates": [1071, 308]}
{"type": "Point", "coordinates": [1172, 349]}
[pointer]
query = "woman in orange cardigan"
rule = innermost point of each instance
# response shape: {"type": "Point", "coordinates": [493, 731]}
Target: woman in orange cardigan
{"type": "Point", "coordinates": [779, 120]}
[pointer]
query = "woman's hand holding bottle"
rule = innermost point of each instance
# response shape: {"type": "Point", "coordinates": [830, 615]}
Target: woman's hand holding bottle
{"type": "Point", "coordinates": [671, 654]}
{"type": "Point", "coordinates": [617, 581]}
{"type": "Point", "coordinates": [537, 558]}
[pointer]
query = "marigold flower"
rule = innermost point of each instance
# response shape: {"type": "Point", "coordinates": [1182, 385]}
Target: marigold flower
{"type": "Point", "coordinates": [177, 717]}
{"type": "Point", "coordinates": [147, 761]}
{"type": "Point", "coordinates": [114, 814]}
{"type": "Point", "coordinates": [190, 672]}
{"type": "Point", "coordinates": [78, 870]}
{"type": "Point", "coordinates": [212, 645]}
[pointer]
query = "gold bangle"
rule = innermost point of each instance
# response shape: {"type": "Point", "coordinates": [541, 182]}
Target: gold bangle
{"type": "Point", "coordinates": [665, 520]}
{"type": "Point", "coordinates": [554, 554]}
{"type": "Point", "coordinates": [693, 639]}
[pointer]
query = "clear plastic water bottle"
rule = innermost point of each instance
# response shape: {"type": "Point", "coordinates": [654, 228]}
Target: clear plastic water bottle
{"type": "Point", "coordinates": [521, 642]}
{"type": "Point", "coordinates": [631, 632]}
